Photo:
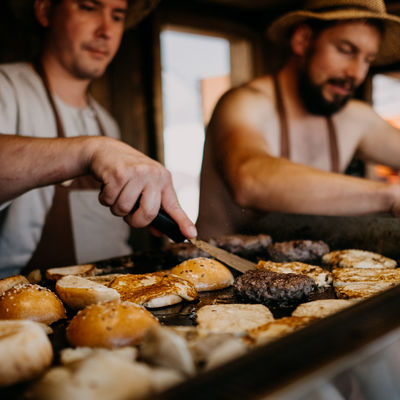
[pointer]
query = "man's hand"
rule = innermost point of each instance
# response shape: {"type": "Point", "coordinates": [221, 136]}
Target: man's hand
{"type": "Point", "coordinates": [127, 174]}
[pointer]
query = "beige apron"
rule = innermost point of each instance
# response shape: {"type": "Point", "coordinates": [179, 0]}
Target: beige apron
{"type": "Point", "coordinates": [285, 145]}
{"type": "Point", "coordinates": [56, 245]}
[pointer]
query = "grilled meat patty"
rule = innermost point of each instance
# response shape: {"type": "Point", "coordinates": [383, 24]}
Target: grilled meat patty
{"type": "Point", "coordinates": [307, 251]}
{"type": "Point", "coordinates": [248, 246]}
{"type": "Point", "coordinates": [265, 287]}
{"type": "Point", "coordinates": [179, 252]}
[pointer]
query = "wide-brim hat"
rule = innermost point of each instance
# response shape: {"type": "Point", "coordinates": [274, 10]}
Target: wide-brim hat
{"type": "Point", "coordinates": [137, 10]}
{"type": "Point", "coordinates": [342, 10]}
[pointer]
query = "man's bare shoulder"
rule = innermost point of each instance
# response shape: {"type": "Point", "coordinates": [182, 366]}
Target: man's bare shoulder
{"type": "Point", "coordinates": [359, 112]}
{"type": "Point", "coordinates": [249, 101]}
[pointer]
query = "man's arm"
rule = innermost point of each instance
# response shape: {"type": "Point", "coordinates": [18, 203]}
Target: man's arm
{"type": "Point", "coordinates": [27, 163]}
{"type": "Point", "coordinates": [261, 181]}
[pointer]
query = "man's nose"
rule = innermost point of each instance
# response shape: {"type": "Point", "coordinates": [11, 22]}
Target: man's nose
{"type": "Point", "coordinates": [104, 24]}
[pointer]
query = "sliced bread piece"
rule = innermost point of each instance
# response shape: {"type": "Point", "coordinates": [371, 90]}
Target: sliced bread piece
{"type": "Point", "coordinates": [78, 292]}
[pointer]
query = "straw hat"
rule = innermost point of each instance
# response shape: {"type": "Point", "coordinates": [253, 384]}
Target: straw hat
{"type": "Point", "coordinates": [137, 10]}
{"type": "Point", "coordinates": [330, 10]}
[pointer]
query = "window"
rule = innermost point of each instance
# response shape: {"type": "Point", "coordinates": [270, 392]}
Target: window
{"type": "Point", "coordinates": [386, 102]}
{"type": "Point", "coordinates": [195, 73]}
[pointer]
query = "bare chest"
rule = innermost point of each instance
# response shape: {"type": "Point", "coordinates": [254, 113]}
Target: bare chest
{"type": "Point", "coordinates": [310, 143]}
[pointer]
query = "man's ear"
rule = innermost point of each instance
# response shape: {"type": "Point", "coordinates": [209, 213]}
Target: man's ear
{"type": "Point", "coordinates": [301, 39]}
{"type": "Point", "coordinates": [42, 12]}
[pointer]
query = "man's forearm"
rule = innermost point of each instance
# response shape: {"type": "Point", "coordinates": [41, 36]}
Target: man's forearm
{"type": "Point", "coordinates": [280, 185]}
{"type": "Point", "coordinates": [27, 162]}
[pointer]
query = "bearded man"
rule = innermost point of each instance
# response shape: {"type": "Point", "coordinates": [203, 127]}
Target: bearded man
{"type": "Point", "coordinates": [282, 142]}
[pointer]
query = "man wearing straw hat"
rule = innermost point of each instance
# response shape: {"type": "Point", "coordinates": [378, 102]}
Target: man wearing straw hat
{"type": "Point", "coordinates": [282, 142]}
{"type": "Point", "coordinates": [66, 156]}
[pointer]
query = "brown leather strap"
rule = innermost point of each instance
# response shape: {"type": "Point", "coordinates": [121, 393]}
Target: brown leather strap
{"type": "Point", "coordinates": [285, 149]}
{"type": "Point", "coordinates": [285, 139]}
{"type": "Point", "coordinates": [333, 145]}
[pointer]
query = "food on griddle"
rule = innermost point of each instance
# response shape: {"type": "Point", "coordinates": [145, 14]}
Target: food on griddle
{"type": "Point", "coordinates": [31, 302]}
{"type": "Point", "coordinates": [110, 324]}
{"type": "Point", "coordinates": [232, 318]}
{"type": "Point", "coordinates": [79, 270]}
{"type": "Point", "coordinates": [205, 274]}
{"type": "Point", "coordinates": [321, 277]}
{"type": "Point", "coordinates": [321, 308]}
{"type": "Point", "coordinates": [179, 252]}
{"type": "Point", "coordinates": [227, 351]}
{"type": "Point", "coordinates": [248, 246]}
{"type": "Point", "coordinates": [361, 290]}
{"type": "Point", "coordinates": [162, 346]}
{"type": "Point", "coordinates": [267, 287]}
{"type": "Point", "coordinates": [152, 290]}
{"type": "Point", "coordinates": [101, 375]}
{"type": "Point", "coordinates": [103, 279]}
{"type": "Point", "coordinates": [307, 251]}
{"type": "Point", "coordinates": [78, 292]}
{"type": "Point", "coordinates": [25, 351]}
{"type": "Point", "coordinates": [11, 281]}
{"type": "Point", "coordinates": [352, 258]}
{"type": "Point", "coordinates": [359, 283]}
{"type": "Point", "coordinates": [277, 329]}
{"type": "Point", "coordinates": [342, 276]}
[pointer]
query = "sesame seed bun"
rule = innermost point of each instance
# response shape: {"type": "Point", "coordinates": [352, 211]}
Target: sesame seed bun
{"type": "Point", "coordinates": [32, 302]}
{"type": "Point", "coordinates": [111, 324]}
{"type": "Point", "coordinates": [25, 351]}
{"type": "Point", "coordinates": [205, 273]}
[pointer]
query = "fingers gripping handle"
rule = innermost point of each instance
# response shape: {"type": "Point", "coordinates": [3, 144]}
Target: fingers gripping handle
{"type": "Point", "coordinates": [165, 224]}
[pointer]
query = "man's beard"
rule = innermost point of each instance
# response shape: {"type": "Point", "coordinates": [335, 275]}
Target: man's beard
{"type": "Point", "coordinates": [313, 98]}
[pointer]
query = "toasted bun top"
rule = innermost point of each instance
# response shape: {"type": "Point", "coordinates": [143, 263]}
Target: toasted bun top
{"type": "Point", "coordinates": [204, 273]}
{"type": "Point", "coordinates": [111, 324]}
{"type": "Point", "coordinates": [11, 281]}
{"type": "Point", "coordinates": [79, 270]}
{"type": "Point", "coordinates": [32, 302]}
{"type": "Point", "coordinates": [142, 288]}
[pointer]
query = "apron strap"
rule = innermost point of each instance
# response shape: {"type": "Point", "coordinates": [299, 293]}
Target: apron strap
{"type": "Point", "coordinates": [285, 149]}
{"type": "Point", "coordinates": [285, 140]}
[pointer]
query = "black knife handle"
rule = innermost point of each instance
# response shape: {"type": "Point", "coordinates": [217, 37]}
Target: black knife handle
{"type": "Point", "coordinates": [165, 224]}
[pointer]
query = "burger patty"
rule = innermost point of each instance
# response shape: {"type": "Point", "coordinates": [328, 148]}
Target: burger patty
{"type": "Point", "coordinates": [248, 246]}
{"type": "Point", "coordinates": [307, 251]}
{"type": "Point", "coordinates": [179, 252]}
{"type": "Point", "coordinates": [265, 287]}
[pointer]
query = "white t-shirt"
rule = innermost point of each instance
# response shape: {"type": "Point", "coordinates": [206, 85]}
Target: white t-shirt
{"type": "Point", "coordinates": [25, 109]}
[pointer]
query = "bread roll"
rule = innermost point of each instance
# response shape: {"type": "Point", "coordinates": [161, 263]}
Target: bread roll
{"type": "Point", "coordinates": [321, 308]}
{"type": "Point", "coordinates": [25, 351]}
{"type": "Point", "coordinates": [112, 324]}
{"type": "Point", "coordinates": [78, 270]}
{"type": "Point", "coordinates": [205, 273]}
{"type": "Point", "coordinates": [11, 281]}
{"type": "Point", "coordinates": [32, 302]}
{"type": "Point", "coordinates": [78, 292]}
{"type": "Point", "coordinates": [232, 318]}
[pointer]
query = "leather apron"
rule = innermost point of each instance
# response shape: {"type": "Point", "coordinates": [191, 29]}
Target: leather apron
{"type": "Point", "coordinates": [285, 140]}
{"type": "Point", "coordinates": [56, 245]}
